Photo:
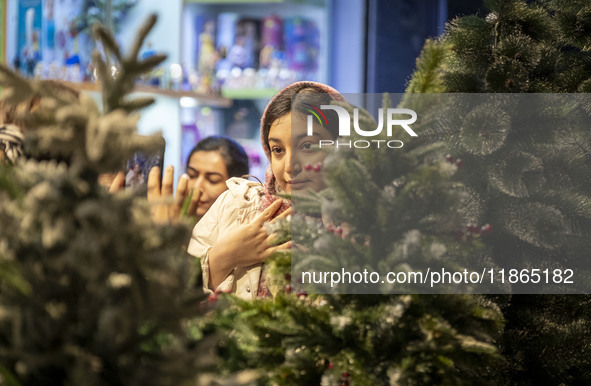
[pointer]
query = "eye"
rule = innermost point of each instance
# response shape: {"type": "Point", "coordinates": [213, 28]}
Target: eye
{"type": "Point", "coordinates": [192, 174]}
{"type": "Point", "coordinates": [276, 150]}
{"type": "Point", "coordinates": [215, 180]}
{"type": "Point", "coordinates": [306, 146]}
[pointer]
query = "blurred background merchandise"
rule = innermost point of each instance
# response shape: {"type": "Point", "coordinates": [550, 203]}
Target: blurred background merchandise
{"type": "Point", "coordinates": [227, 58]}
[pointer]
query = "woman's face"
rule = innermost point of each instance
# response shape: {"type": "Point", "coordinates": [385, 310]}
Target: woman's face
{"type": "Point", "coordinates": [207, 175]}
{"type": "Point", "coordinates": [290, 155]}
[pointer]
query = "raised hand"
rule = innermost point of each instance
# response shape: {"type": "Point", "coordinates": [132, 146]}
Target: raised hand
{"type": "Point", "coordinates": [165, 207]}
{"type": "Point", "coordinates": [247, 245]}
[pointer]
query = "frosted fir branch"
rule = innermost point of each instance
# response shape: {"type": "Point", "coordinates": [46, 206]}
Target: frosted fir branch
{"type": "Point", "coordinates": [15, 88]}
{"type": "Point", "coordinates": [281, 228]}
{"type": "Point", "coordinates": [116, 86]}
{"type": "Point", "coordinates": [141, 35]}
{"type": "Point", "coordinates": [102, 34]}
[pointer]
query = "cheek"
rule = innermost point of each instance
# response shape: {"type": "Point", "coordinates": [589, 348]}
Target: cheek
{"type": "Point", "coordinates": [318, 182]}
{"type": "Point", "coordinates": [214, 190]}
{"type": "Point", "coordinates": [277, 168]}
{"type": "Point", "coordinates": [316, 156]}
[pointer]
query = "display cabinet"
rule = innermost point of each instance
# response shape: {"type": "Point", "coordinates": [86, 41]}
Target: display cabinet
{"type": "Point", "coordinates": [247, 51]}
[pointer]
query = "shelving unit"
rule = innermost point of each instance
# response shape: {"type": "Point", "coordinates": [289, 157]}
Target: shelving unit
{"type": "Point", "coordinates": [200, 99]}
{"type": "Point", "coordinates": [249, 102]}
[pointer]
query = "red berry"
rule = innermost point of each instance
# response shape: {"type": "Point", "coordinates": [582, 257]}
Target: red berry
{"type": "Point", "coordinates": [330, 228]}
{"type": "Point", "coordinates": [330, 365]}
{"type": "Point", "coordinates": [212, 298]}
{"type": "Point", "coordinates": [345, 374]}
{"type": "Point", "coordinates": [308, 167]}
{"type": "Point", "coordinates": [339, 231]}
{"type": "Point", "coordinates": [317, 167]}
{"type": "Point", "coordinates": [288, 289]}
{"type": "Point", "coordinates": [472, 228]}
{"type": "Point", "coordinates": [459, 163]}
{"type": "Point", "coordinates": [486, 229]}
{"type": "Point", "coordinates": [449, 158]}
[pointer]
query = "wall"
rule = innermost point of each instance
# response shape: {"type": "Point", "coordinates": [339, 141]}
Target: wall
{"type": "Point", "coordinates": [164, 114]}
{"type": "Point", "coordinates": [2, 29]}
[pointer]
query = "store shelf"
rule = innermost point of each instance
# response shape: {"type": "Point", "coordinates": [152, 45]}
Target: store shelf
{"type": "Point", "coordinates": [250, 93]}
{"type": "Point", "coordinates": [207, 100]}
{"type": "Point", "coordinates": [239, 2]}
{"type": "Point", "coordinates": [232, 1]}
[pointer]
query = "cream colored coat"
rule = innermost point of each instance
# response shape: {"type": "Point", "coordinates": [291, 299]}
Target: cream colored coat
{"type": "Point", "coordinates": [236, 206]}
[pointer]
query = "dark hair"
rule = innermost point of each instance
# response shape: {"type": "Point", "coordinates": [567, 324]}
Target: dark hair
{"type": "Point", "coordinates": [306, 93]}
{"type": "Point", "coordinates": [232, 153]}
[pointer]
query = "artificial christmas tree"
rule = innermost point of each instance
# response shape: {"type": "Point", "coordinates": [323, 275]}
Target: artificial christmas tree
{"type": "Point", "coordinates": [400, 212]}
{"type": "Point", "coordinates": [92, 291]}
{"type": "Point", "coordinates": [531, 181]}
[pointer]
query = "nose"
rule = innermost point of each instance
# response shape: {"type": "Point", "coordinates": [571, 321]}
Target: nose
{"type": "Point", "coordinates": [295, 165]}
{"type": "Point", "coordinates": [287, 160]}
{"type": "Point", "coordinates": [197, 184]}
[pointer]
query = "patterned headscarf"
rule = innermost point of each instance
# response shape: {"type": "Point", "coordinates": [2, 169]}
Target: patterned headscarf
{"type": "Point", "coordinates": [11, 142]}
{"type": "Point", "coordinates": [270, 187]}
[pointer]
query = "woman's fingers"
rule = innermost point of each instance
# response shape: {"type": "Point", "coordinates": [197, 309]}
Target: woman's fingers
{"type": "Point", "coordinates": [168, 181]}
{"type": "Point", "coordinates": [118, 183]}
{"type": "Point", "coordinates": [266, 214]}
{"type": "Point", "coordinates": [281, 247]}
{"type": "Point", "coordinates": [195, 197]}
{"type": "Point", "coordinates": [154, 184]}
{"type": "Point", "coordinates": [270, 239]}
{"type": "Point", "coordinates": [282, 215]}
{"type": "Point", "coordinates": [182, 190]}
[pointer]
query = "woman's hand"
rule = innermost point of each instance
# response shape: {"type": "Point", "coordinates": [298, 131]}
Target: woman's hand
{"type": "Point", "coordinates": [247, 245]}
{"type": "Point", "coordinates": [117, 183]}
{"type": "Point", "coordinates": [160, 195]}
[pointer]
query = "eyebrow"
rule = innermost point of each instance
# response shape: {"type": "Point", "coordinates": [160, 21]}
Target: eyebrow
{"type": "Point", "coordinates": [296, 138]}
{"type": "Point", "coordinates": [306, 135]}
{"type": "Point", "coordinates": [208, 173]}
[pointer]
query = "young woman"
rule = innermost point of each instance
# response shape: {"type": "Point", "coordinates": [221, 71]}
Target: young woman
{"type": "Point", "coordinates": [230, 239]}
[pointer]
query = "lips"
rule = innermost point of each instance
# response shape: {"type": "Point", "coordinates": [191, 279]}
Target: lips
{"type": "Point", "coordinates": [298, 184]}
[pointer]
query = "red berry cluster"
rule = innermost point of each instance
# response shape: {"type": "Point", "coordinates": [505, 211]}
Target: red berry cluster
{"type": "Point", "coordinates": [458, 162]}
{"type": "Point", "coordinates": [472, 230]}
{"type": "Point", "coordinates": [345, 379]}
{"type": "Point", "coordinates": [338, 230]}
{"type": "Point", "coordinates": [316, 167]}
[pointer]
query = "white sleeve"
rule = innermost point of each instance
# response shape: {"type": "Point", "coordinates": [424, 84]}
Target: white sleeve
{"type": "Point", "coordinates": [206, 234]}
